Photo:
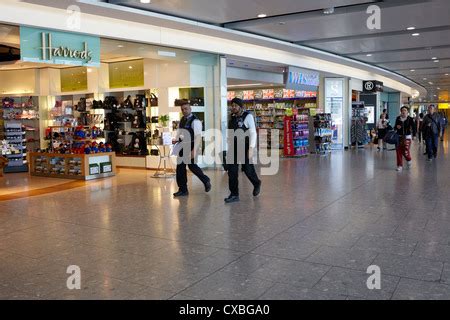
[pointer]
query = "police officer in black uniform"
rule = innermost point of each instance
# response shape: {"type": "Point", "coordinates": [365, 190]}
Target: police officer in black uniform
{"type": "Point", "coordinates": [243, 125]}
{"type": "Point", "coordinates": [193, 126]}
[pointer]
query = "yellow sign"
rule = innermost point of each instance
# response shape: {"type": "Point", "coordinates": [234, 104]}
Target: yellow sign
{"type": "Point", "coordinates": [444, 106]}
{"type": "Point", "coordinates": [74, 79]}
{"type": "Point", "coordinates": [127, 74]}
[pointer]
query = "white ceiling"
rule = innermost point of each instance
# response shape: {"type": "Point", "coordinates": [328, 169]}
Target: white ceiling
{"type": "Point", "coordinates": [344, 32]}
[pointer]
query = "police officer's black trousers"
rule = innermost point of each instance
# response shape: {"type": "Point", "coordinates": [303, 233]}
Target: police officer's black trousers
{"type": "Point", "coordinates": [182, 175]}
{"type": "Point", "coordinates": [233, 175]}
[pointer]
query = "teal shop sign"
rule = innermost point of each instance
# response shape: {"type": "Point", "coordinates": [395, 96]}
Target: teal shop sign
{"type": "Point", "coordinates": [55, 47]}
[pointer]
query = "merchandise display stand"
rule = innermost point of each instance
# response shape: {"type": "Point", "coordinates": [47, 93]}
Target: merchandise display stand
{"type": "Point", "coordinates": [323, 133]}
{"type": "Point", "coordinates": [164, 170]}
{"type": "Point", "coordinates": [358, 133]}
{"type": "Point", "coordinates": [73, 166]}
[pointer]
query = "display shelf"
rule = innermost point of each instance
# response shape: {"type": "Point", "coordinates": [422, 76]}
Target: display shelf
{"type": "Point", "coordinates": [323, 133]}
{"type": "Point", "coordinates": [73, 166]}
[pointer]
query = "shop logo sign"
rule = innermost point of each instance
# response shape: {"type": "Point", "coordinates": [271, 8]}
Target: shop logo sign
{"type": "Point", "coordinates": [48, 52]}
{"type": "Point", "coordinates": [369, 86]}
{"type": "Point", "coordinates": [56, 47]}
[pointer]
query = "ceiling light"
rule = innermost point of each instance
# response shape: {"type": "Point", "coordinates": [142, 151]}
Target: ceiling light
{"type": "Point", "coordinates": [130, 67]}
{"type": "Point", "coordinates": [167, 53]}
{"type": "Point", "coordinates": [328, 10]}
{"type": "Point", "coordinates": [246, 85]}
{"type": "Point", "coordinates": [369, 55]}
{"type": "Point", "coordinates": [120, 46]}
{"type": "Point", "coordinates": [436, 61]}
{"type": "Point", "coordinates": [434, 58]}
{"type": "Point", "coordinates": [430, 83]}
{"type": "Point", "coordinates": [412, 70]}
{"type": "Point", "coordinates": [145, 1]}
{"type": "Point", "coordinates": [439, 88]}
{"type": "Point", "coordinates": [185, 61]}
{"type": "Point", "coordinates": [425, 79]}
{"type": "Point", "coordinates": [411, 28]}
{"type": "Point", "coordinates": [281, 23]}
{"type": "Point", "coordinates": [416, 34]}
{"type": "Point", "coordinates": [262, 15]}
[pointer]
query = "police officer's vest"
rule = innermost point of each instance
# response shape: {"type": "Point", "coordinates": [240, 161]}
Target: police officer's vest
{"type": "Point", "coordinates": [237, 123]}
{"type": "Point", "coordinates": [186, 123]}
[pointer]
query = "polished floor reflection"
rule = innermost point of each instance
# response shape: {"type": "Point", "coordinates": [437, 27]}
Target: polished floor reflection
{"type": "Point", "coordinates": [313, 232]}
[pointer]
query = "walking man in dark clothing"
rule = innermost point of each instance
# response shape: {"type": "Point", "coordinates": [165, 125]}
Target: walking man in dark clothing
{"type": "Point", "coordinates": [431, 131]}
{"type": "Point", "coordinates": [189, 133]}
{"type": "Point", "coordinates": [243, 125]}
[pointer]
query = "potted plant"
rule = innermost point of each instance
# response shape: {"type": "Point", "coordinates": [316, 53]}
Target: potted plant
{"type": "Point", "coordinates": [164, 120]}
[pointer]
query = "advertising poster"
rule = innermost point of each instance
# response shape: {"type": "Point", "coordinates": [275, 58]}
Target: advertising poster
{"type": "Point", "coordinates": [288, 139]}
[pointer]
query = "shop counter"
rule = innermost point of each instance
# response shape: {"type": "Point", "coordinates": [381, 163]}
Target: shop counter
{"type": "Point", "coordinates": [73, 166]}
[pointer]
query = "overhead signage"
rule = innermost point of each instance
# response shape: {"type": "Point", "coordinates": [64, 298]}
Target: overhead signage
{"type": "Point", "coordinates": [301, 79]}
{"type": "Point", "coordinates": [373, 86]}
{"type": "Point", "coordinates": [56, 47]}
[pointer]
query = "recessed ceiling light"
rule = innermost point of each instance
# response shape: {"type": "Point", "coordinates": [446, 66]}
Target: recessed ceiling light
{"type": "Point", "coordinates": [430, 83]}
{"type": "Point", "coordinates": [425, 79]}
{"type": "Point", "coordinates": [120, 46]}
{"type": "Point", "coordinates": [436, 61]}
{"type": "Point", "coordinates": [130, 67]}
{"type": "Point", "coordinates": [369, 55]}
{"type": "Point", "coordinates": [439, 88]}
{"type": "Point", "coordinates": [145, 1]}
{"type": "Point", "coordinates": [412, 70]}
{"type": "Point", "coordinates": [416, 34]}
{"type": "Point", "coordinates": [185, 61]}
{"type": "Point", "coordinates": [328, 10]}
{"type": "Point", "coordinates": [411, 28]}
{"type": "Point", "coordinates": [434, 58]}
{"type": "Point", "coordinates": [262, 15]}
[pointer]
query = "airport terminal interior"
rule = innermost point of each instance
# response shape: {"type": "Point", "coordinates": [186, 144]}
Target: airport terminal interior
{"type": "Point", "coordinates": [345, 105]}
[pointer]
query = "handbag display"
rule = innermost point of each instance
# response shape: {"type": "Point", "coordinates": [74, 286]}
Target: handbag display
{"type": "Point", "coordinates": [81, 106]}
{"type": "Point", "coordinates": [153, 100]}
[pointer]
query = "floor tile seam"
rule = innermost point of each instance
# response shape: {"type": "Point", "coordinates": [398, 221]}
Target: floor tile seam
{"type": "Point", "coordinates": [267, 290]}
{"type": "Point", "coordinates": [396, 288]}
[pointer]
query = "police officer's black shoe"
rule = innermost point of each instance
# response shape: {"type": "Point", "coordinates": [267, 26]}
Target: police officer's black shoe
{"type": "Point", "coordinates": [257, 190]}
{"type": "Point", "coordinates": [208, 186]}
{"type": "Point", "coordinates": [181, 194]}
{"type": "Point", "coordinates": [231, 199]}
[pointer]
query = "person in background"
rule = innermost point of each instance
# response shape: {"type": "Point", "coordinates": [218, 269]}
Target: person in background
{"type": "Point", "coordinates": [193, 126]}
{"type": "Point", "coordinates": [404, 125]}
{"type": "Point", "coordinates": [419, 122]}
{"type": "Point", "coordinates": [381, 130]}
{"type": "Point", "coordinates": [431, 129]}
{"type": "Point", "coordinates": [444, 123]}
{"type": "Point", "coordinates": [386, 114]}
{"type": "Point", "coordinates": [241, 121]}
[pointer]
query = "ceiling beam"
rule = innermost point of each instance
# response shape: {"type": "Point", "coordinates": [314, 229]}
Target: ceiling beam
{"type": "Point", "coordinates": [446, 46]}
{"type": "Point", "coordinates": [374, 35]}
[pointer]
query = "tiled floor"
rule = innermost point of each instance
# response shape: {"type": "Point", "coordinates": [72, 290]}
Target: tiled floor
{"type": "Point", "coordinates": [318, 225]}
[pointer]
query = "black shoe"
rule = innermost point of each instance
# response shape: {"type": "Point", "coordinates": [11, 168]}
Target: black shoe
{"type": "Point", "coordinates": [231, 199]}
{"type": "Point", "coordinates": [181, 194]}
{"type": "Point", "coordinates": [257, 190]}
{"type": "Point", "coordinates": [208, 186]}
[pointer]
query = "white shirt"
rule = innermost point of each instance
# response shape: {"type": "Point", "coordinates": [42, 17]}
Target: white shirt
{"type": "Point", "coordinates": [249, 122]}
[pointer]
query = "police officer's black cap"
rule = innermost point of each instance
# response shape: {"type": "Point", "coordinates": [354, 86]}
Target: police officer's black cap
{"type": "Point", "coordinates": [238, 101]}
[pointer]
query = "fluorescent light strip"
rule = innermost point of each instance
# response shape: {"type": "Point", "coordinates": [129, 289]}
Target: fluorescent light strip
{"type": "Point", "coordinates": [167, 54]}
{"type": "Point", "coordinates": [245, 85]}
